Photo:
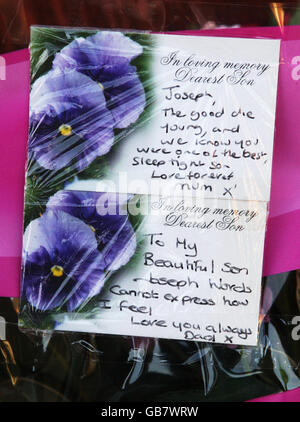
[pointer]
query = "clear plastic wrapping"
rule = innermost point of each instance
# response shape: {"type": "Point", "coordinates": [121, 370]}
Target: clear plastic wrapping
{"type": "Point", "coordinates": [147, 154]}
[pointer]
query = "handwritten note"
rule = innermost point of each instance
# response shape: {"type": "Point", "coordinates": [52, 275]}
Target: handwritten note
{"type": "Point", "coordinates": [198, 276]}
{"type": "Point", "coordinates": [202, 163]}
{"type": "Point", "coordinates": [211, 127]}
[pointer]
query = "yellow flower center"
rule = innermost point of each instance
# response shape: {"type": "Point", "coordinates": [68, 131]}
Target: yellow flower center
{"type": "Point", "coordinates": [65, 130]}
{"type": "Point", "coordinates": [100, 85]}
{"type": "Point", "coordinates": [57, 271]}
{"type": "Point", "coordinates": [92, 228]}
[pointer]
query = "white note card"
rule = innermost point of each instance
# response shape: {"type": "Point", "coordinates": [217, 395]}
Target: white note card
{"type": "Point", "coordinates": [210, 128]}
{"type": "Point", "coordinates": [195, 147]}
{"type": "Point", "coordinates": [198, 276]}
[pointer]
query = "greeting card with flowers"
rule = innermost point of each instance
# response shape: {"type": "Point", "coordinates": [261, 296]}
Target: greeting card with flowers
{"type": "Point", "coordinates": [147, 155]}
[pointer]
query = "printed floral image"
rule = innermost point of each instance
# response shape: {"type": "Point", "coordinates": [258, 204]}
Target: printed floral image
{"type": "Point", "coordinates": [69, 121]}
{"type": "Point", "coordinates": [91, 90]}
{"type": "Point", "coordinates": [68, 251]}
{"type": "Point", "coordinates": [88, 93]}
{"type": "Point", "coordinates": [106, 57]}
{"type": "Point", "coordinates": [113, 231]}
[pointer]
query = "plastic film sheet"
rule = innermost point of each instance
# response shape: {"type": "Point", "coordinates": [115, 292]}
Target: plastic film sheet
{"type": "Point", "coordinates": [147, 154]}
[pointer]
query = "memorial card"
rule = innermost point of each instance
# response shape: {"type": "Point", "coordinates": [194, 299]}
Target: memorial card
{"type": "Point", "coordinates": [148, 181]}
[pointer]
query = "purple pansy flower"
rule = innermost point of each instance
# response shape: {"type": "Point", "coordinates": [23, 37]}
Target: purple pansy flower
{"type": "Point", "coordinates": [69, 120]}
{"type": "Point", "coordinates": [106, 215]}
{"type": "Point", "coordinates": [61, 262]}
{"type": "Point", "coordinates": [106, 57]}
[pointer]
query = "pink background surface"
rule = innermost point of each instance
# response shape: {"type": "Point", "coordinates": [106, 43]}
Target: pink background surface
{"type": "Point", "coordinates": [14, 98]}
{"type": "Point", "coordinates": [282, 246]}
{"type": "Point", "coordinates": [288, 396]}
